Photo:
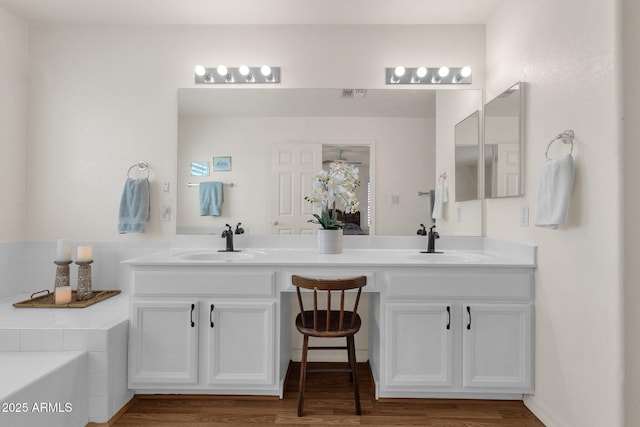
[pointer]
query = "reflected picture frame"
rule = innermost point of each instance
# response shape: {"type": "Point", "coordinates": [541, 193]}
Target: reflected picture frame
{"type": "Point", "coordinates": [221, 164]}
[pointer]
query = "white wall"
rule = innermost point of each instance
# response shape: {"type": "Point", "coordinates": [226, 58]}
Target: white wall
{"type": "Point", "coordinates": [14, 42]}
{"type": "Point", "coordinates": [403, 146]}
{"type": "Point", "coordinates": [566, 52]}
{"type": "Point", "coordinates": [102, 98]}
{"type": "Point", "coordinates": [631, 53]}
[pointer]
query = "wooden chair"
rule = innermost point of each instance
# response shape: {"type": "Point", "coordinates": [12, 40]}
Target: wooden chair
{"type": "Point", "coordinates": [328, 323]}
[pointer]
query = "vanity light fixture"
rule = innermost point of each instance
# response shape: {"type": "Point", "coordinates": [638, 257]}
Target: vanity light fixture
{"type": "Point", "coordinates": [223, 71]}
{"type": "Point", "coordinates": [464, 72]}
{"type": "Point", "coordinates": [236, 75]}
{"type": "Point", "coordinates": [428, 75]}
{"type": "Point", "coordinates": [245, 71]}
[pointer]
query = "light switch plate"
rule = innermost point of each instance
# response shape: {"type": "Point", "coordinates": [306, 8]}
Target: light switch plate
{"type": "Point", "coordinates": [165, 213]}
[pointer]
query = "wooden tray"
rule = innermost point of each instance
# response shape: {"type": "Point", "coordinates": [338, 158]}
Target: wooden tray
{"type": "Point", "coordinates": [47, 301]}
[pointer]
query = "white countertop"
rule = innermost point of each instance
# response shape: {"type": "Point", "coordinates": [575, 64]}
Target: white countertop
{"type": "Point", "coordinates": [349, 257]}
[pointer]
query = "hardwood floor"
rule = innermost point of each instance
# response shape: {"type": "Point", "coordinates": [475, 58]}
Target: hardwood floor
{"type": "Point", "coordinates": [328, 401]}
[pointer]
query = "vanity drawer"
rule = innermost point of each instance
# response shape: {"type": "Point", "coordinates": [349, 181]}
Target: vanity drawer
{"type": "Point", "coordinates": [210, 283]}
{"type": "Point", "coordinates": [468, 285]}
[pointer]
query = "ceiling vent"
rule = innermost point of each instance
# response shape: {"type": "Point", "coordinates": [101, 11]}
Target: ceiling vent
{"type": "Point", "coordinates": [354, 93]}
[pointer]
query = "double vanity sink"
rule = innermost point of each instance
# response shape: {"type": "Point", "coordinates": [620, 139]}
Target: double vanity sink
{"type": "Point", "coordinates": [450, 324]}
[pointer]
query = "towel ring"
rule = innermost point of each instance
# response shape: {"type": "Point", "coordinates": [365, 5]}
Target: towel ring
{"type": "Point", "coordinates": [566, 137]}
{"type": "Point", "coordinates": [141, 165]}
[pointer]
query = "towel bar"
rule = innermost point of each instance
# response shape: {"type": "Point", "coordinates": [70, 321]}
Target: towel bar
{"type": "Point", "coordinates": [192, 184]}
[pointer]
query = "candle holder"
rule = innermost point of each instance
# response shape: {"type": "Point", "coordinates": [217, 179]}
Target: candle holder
{"type": "Point", "coordinates": [84, 280]}
{"type": "Point", "coordinates": [62, 273]}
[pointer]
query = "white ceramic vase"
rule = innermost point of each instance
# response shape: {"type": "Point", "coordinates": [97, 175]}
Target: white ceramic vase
{"type": "Point", "coordinates": [330, 241]}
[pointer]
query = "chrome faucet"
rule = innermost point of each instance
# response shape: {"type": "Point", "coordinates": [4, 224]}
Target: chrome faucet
{"type": "Point", "coordinates": [228, 234]}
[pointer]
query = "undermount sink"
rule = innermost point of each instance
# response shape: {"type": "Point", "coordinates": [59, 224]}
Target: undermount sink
{"type": "Point", "coordinates": [447, 257]}
{"type": "Point", "coordinates": [210, 255]}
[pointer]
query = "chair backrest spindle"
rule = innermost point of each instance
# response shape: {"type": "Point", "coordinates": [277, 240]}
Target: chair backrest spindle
{"type": "Point", "coordinates": [301, 306]}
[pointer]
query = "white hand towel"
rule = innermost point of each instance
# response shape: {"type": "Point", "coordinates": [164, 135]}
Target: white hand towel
{"type": "Point", "coordinates": [554, 192]}
{"type": "Point", "coordinates": [441, 197]}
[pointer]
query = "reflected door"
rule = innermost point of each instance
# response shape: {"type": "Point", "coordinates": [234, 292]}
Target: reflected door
{"type": "Point", "coordinates": [293, 165]}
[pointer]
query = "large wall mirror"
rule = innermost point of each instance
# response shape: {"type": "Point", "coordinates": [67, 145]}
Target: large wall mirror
{"type": "Point", "coordinates": [389, 134]}
{"type": "Point", "coordinates": [504, 144]}
{"type": "Point", "coordinates": [467, 150]}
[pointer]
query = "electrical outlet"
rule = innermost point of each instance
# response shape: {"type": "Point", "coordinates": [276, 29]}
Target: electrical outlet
{"type": "Point", "coordinates": [165, 188]}
{"type": "Point", "coordinates": [395, 199]}
{"type": "Point", "coordinates": [165, 213]}
{"type": "Point", "coordinates": [524, 216]}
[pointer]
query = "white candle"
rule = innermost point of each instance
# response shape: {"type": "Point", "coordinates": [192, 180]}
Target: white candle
{"type": "Point", "coordinates": [63, 295]}
{"type": "Point", "coordinates": [85, 253]}
{"type": "Point", "coordinates": [63, 250]}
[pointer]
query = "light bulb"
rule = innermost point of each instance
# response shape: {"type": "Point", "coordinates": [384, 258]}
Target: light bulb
{"type": "Point", "coordinates": [443, 71]}
{"type": "Point", "coordinates": [244, 70]}
{"type": "Point", "coordinates": [222, 70]}
{"type": "Point", "coordinates": [200, 70]}
{"type": "Point", "coordinates": [265, 70]}
{"type": "Point", "coordinates": [421, 72]}
{"type": "Point", "coordinates": [399, 71]}
{"type": "Point", "coordinates": [465, 72]}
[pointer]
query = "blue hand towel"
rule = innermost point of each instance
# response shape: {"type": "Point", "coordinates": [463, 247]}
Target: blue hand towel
{"type": "Point", "coordinates": [134, 206]}
{"type": "Point", "coordinates": [554, 192]}
{"type": "Point", "coordinates": [210, 198]}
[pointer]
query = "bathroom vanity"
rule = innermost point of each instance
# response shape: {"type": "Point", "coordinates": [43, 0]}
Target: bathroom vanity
{"type": "Point", "coordinates": [456, 324]}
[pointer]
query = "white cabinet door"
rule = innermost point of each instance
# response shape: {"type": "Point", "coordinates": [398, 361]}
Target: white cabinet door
{"type": "Point", "coordinates": [241, 343]}
{"type": "Point", "coordinates": [418, 345]}
{"type": "Point", "coordinates": [163, 344]}
{"type": "Point", "coordinates": [497, 347]}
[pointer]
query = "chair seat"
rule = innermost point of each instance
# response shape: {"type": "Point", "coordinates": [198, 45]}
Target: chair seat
{"type": "Point", "coordinates": [334, 322]}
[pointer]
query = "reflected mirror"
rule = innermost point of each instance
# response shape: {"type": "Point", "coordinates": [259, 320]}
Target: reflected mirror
{"type": "Point", "coordinates": [389, 134]}
{"type": "Point", "coordinates": [503, 144]}
{"type": "Point", "coordinates": [467, 137]}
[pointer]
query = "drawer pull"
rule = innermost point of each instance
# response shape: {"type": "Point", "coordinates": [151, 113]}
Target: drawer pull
{"type": "Point", "coordinates": [469, 312]}
{"type": "Point", "coordinates": [211, 315]}
{"type": "Point", "coordinates": [449, 313]}
{"type": "Point", "coordinates": [193, 307]}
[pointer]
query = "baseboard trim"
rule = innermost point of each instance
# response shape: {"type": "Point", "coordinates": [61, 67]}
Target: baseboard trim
{"type": "Point", "coordinates": [115, 418]}
{"type": "Point", "coordinates": [547, 416]}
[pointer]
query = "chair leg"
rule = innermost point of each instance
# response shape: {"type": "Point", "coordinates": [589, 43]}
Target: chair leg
{"type": "Point", "coordinates": [349, 359]}
{"type": "Point", "coordinates": [356, 389]}
{"type": "Point", "coordinates": [303, 375]}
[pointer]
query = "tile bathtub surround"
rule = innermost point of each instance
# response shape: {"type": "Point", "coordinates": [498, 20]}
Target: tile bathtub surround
{"type": "Point", "coordinates": [27, 267]}
{"type": "Point", "coordinates": [101, 330]}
